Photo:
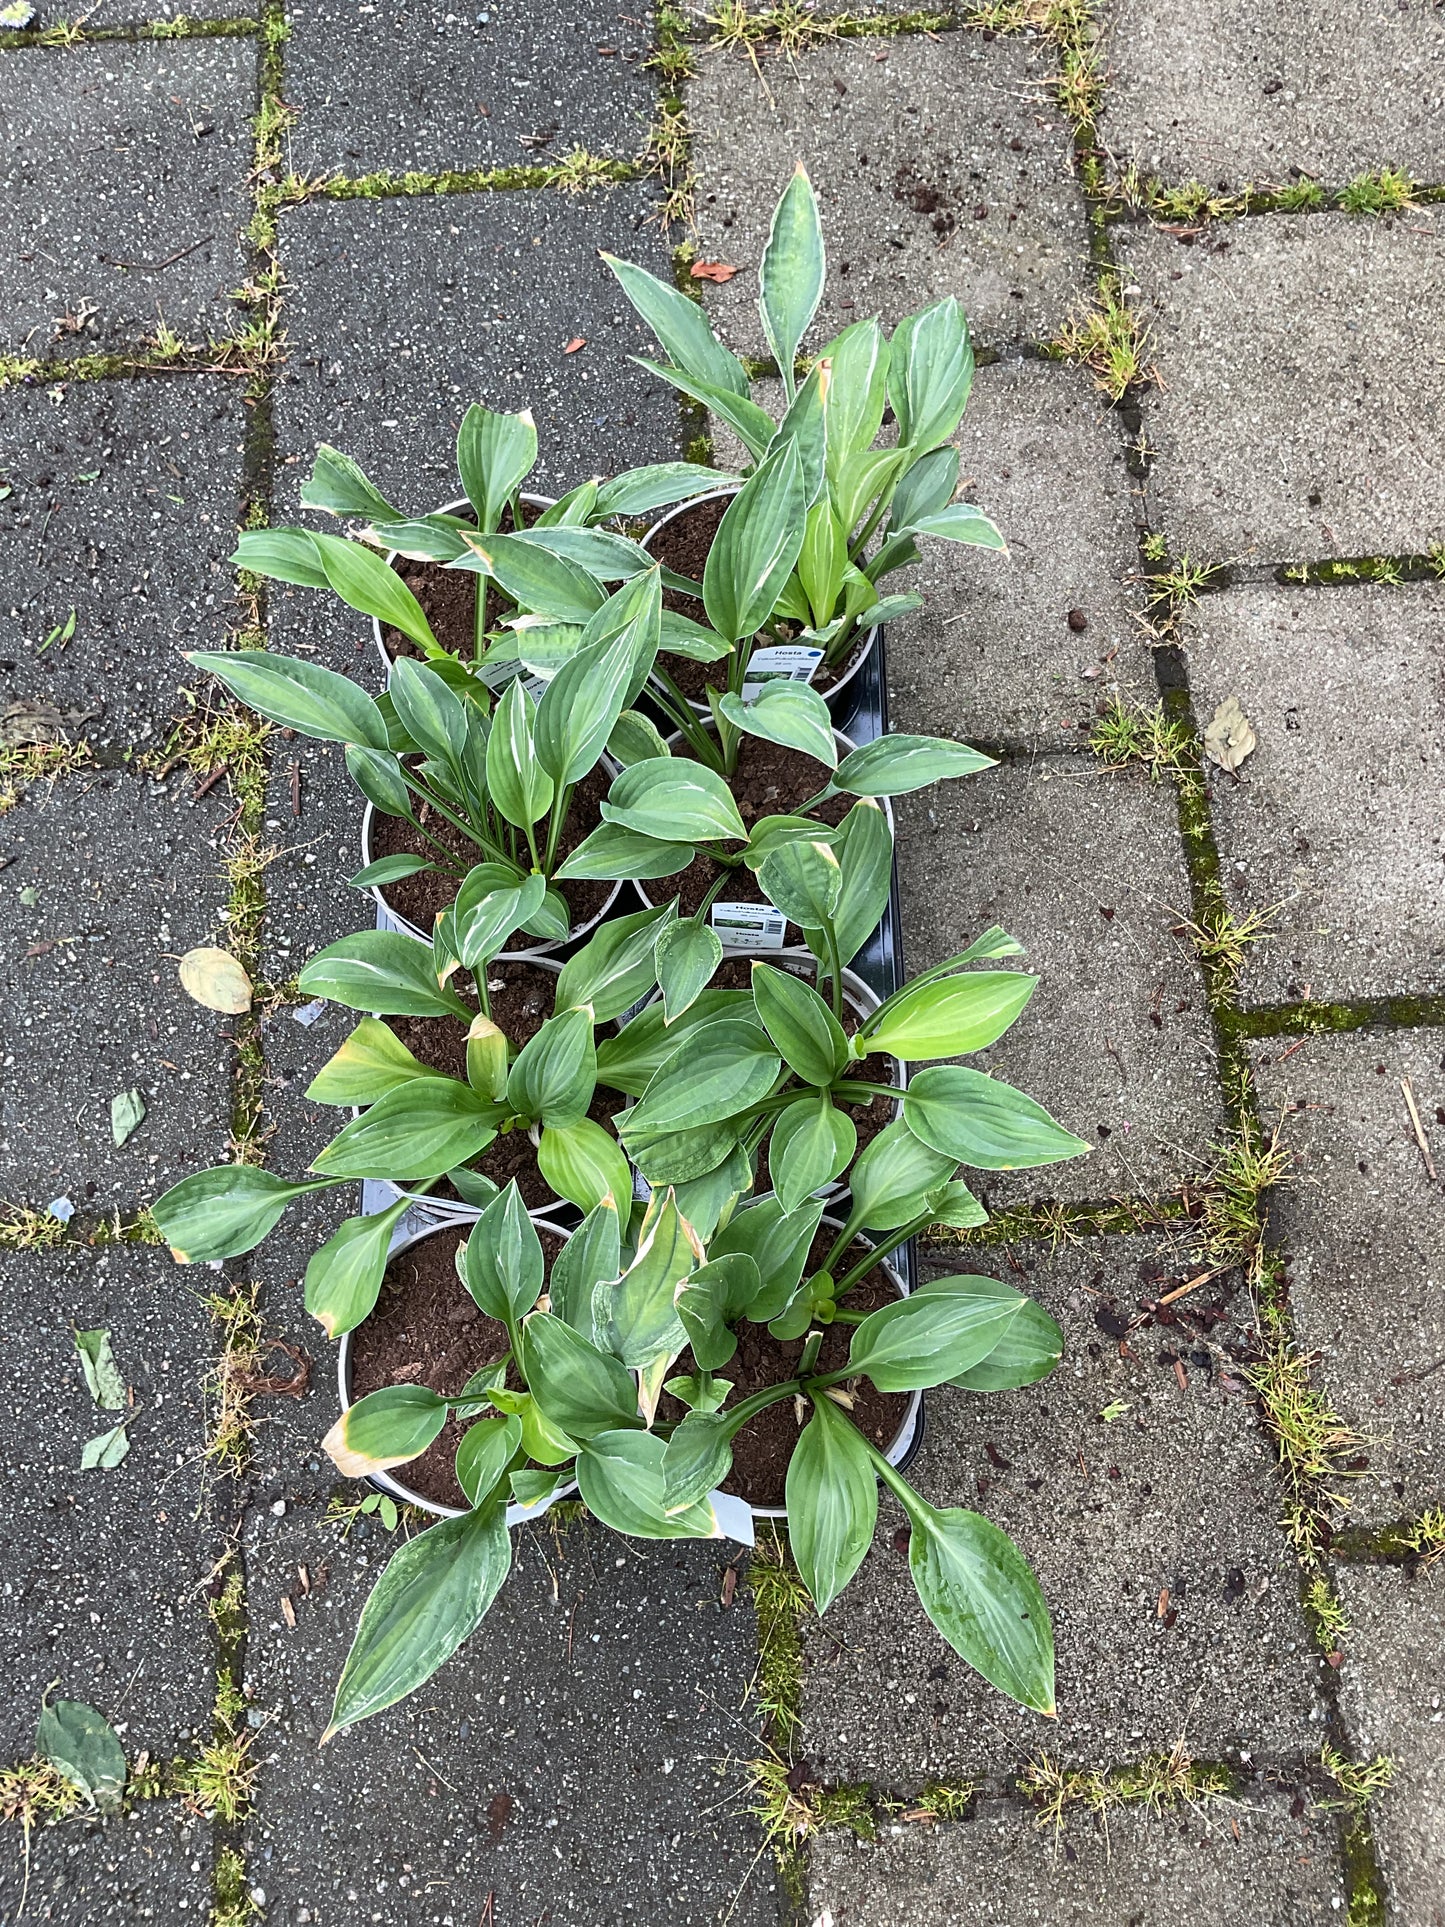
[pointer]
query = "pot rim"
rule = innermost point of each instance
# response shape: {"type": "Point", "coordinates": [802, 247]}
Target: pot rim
{"type": "Point", "coordinates": [403, 1238]}
{"type": "Point", "coordinates": [868, 641]}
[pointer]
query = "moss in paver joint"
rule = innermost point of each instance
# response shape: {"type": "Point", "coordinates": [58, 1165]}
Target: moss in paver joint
{"type": "Point", "coordinates": [74, 33]}
{"type": "Point", "coordinates": [1329, 1622]}
{"type": "Point", "coordinates": [1108, 339]}
{"type": "Point", "coordinates": [1358, 1781]}
{"type": "Point", "coordinates": [1160, 1782]}
{"type": "Point", "coordinates": [1056, 1224]}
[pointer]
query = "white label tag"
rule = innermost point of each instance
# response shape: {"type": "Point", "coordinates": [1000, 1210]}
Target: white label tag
{"type": "Point", "coordinates": [781, 662]}
{"type": "Point", "coordinates": [749, 926]}
{"type": "Point", "coordinates": [501, 675]}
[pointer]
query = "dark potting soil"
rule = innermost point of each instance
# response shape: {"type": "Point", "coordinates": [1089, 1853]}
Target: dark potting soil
{"type": "Point", "coordinates": [419, 898]}
{"type": "Point", "coordinates": [521, 997]}
{"type": "Point", "coordinates": [448, 598]}
{"type": "Point", "coordinates": [683, 545]}
{"type": "Point", "coordinates": [769, 781]}
{"type": "Point", "coordinates": [426, 1330]}
{"type": "Point", "coordinates": [735, 973]}
{"type": "Point", "coordinates": [763, 1448]}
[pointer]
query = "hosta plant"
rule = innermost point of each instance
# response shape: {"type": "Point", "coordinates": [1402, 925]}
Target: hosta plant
{"type": "Point", "coordinates": [585, 1362]}
{"type": "Point", "coordinates": [826, 515]}
{"type": "Point", "coordinates": [501, 774]}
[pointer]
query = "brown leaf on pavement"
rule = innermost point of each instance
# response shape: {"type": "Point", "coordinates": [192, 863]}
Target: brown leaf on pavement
{"type": "Point", "coordinates": [711, 271]}
{"type": "Point", "coordinates": [1230, 736]}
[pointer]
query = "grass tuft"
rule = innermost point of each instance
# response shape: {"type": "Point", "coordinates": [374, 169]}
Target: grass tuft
{"type": "Point", "coordinates": [1358, 1780]}
{"type": "Point", "coordinates": [1132, 735]}
{"type": "Point", "coordinates": [1233, 1201]}
{"type": "Point", "coordinates": [27, 763]}
{"type": "Point", "coordinates": [1222, 940]}
{"type": "Point", "coordinates": [1328, 1618]}
{"type": "Point", "coordinates": [1310, 1438]}
{"type": "Point", "coordinates": [1426, 1538]}
{"type": "Point", "coordinates": [1160, 1782]}
{"type": "Point", "coordinates": [23, 1228]}
{"type": "Point", "coordinates": [781, 1601]}
{"type": "Point", "coordinates": [1389, 191]}
{"type": "Point", "coordinates": [1108, 339]}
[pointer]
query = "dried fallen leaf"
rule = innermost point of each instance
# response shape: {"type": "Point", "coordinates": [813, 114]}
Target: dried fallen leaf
{"type": "Point", "coordinates": [23, 724]}
{"type": "Point", "coordinates": [711, 271]}
{"type": "Point", "coordinates": [288, 1611]}
{"type": "Point", "coordinates": [127, 1114]}
{"type": "Point", "coordinates": [577, 341]}
{"type": "Point", "coordinates": [1230, 736]}
{"type": "Point", "coordinates": [215, 979]}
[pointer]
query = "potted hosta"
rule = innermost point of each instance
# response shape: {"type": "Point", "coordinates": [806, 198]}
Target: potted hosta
{"type": "Point", "coordinates": [848, 513]}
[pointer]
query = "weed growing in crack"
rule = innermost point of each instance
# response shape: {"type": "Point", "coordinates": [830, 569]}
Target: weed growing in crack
{"type": "Point", "coordinates": [233, 1905]}
{"type": "Point", "coordinates": [1160, 1782]}
{"type": "Point", "coordinates": [1222, 940]}
{"type": "Point", "coordinates": [780, 1600]}
{"type": "Point", "coordinates": [1181, 582]}
{"type": "Point", "coordinates": [227, 1388]}
{"type": "Point", "coordinates": [28, 763]}
{"type": "Point", "coordinates": [1108, 339]}
{"type": "Point", "coordinates": [23, 1228]}
{"type": "Point", "coordinates": [1389, 191]}
{"type": "Point", "coordinates": [1135, 735]}
{"type": "Point", "coordinates": [1231, 1222]}
{"type": "Point", "coordinates": [943, 1800]}
{"type": "Point", "coordinates": [1358, 1780]}
{"type": "Point", "coordinates": [739, 28]}
{"type": "Point", "coordinates": [1299, 197]}
{"type": "Point", "coordinates": [221, 1783]}
{"type": "Point", "coordinates": [1328, 1618]}
{"type": "Point", "coordinates": [790, 1810]}
{"type": "Point", "coordinates": [1310, 1438]}
{"type": "Point", "coordinates": [1426, 1538]}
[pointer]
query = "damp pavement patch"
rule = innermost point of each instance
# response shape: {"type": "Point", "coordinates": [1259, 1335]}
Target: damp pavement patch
{"type": "Point", "coordinates": [1232, 94]}
{"type": "Point", "coordinates": [1332, 827]}
{"type": "Point", "coordinates": [153, 1863]}
{"type": "Point", "coordinates": [1364, 1235]}
{"type": "Point", "coordinates": [941, 164]}
{"type": "Point", "coordinates": [110, 879]}
{"type": "Point", "coordinates": [579, 1759]}
{"type": "Point", "coordinates": [1083, 866]}
{"type": "Point", "coordinates": [513, 83]}
{"type": "Point", "coordinates": [1301, 408]}
{"type": "Point", "coordinates": [121, 511]}
{"type": "Point", "coordinates": [1138, 1483]}
{"type": "Point", "coordinates": [125, 207]}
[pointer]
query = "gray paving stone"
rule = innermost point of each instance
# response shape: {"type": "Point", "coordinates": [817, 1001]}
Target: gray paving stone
{"type": "Point", "coordinates": [126, 879]}
{"type": "Point", "coordinates": [403, 312]}
{"type": "Point", "coordinates": [1390, 1696]}
{"type": "Point", "coordinates": [106, 1569]}
{"type": "Point", "coordinates": [1334, 821]}
{"type": "Point", "coordinates": [1233, 91]}
{"type": "Point", "coordinates": [308, 901]}
{"type": "Point", "coordinates": [122, 507]}
{"type": "Point", "coordinates": [514, 85]}
{"type": "Point", "coordinates": [1000, 1867]}
{"type": "Point", "coordinates": [1176, 1491]}
{"type": "Point", "coordinates": [1303, 392]}
{"type": "Point", "coordinates": [991, 656]}
{"type": "Point", "coordinates": [1363, 1226]}
{"type": "Point", "coordinates": [578, 1761]}
{"type": "Point", "coordinates": [129, 196]}
{"type": "Point", "coordinates": [1084, 868]}
{"type": "Point", "coordinates": [941, 167]}
{"type": "Point", "coordinates": [153, 1863]}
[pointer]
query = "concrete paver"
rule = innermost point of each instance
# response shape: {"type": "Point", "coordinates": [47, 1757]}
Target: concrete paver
{"type": "Point", "coordinates": [1303, 394]}
{"type": "Point", "coordinates": [127, 196]}
{"type": "Point", "coordinates": [1361, 1221]}
{"type": "Point", "coordinates": [1347, 850]}
{"type": "Point", "coordinates": [109, 880]}
{"type": "Point", "coordinates": [1172, 1492]}
{"type": "Point", "coordinates": [1083, 866]}
{"type": "Point", "coordinates": [153, 1864]}
{"type": "Point", "coordinates": [121, 507]}
{"type": "Point", "coordinates": [1239, 91]}
{"type": "Point", "coordinates": [941, 167]}
{"type": "Point", "coordinates": [1390, 1696]}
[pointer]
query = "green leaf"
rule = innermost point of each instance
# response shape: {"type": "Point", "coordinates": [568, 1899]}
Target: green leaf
{"type": "Point", "coordinates": [928, 1339]}
{"type": "Point", "coordinates": [284, 555]}
{"type": "Point", "coordinates": [706, 1200]}
{"type": "Point", "coordinates": [753, 426]}
{"type": "Point", "coordinates": [603, 554]}
{"type": "Point", "coordinates": [434, 1593]}
{"type": "Point", "coordinates": [417, 1131]}
{"type": "Point", "coordinates": [620, 1478]}
{"type": "Point", "coordinates": [471, 1187]}
{"type": "Point", "coordinates": [297, 695]}
{"type": "Point", "coordinates": [925, 488]}
{"type": "Point", "coordinates": [688, 952]}
{"type": "Point", "coordinates": [778, 1242]}
{"type": "Point", "coordinates": [102, 1374]}
{"type": "Point", "coordinates": [675, 800]}
{"type": "Point", "coordinates": [82, 1746]}
{"type": "Point", "coordinates": [980, 1121]}
{"type": "Point", "coordinates": [385, 1428]}
{"type": "Point", "coordinates": [495, 455]}
{"type": "Point", "coordinates": [803, 428]}
{"type": "Point", "coordinates": [894, 765]}
{"type": "Point", "coordinates": [501, 1263]}
{"type": "Point", "coordinates": [811, 1145]}
{"type": "Point", "coordinates": [640, 491]}
{"type": "Point", "coordinates": [554, 1075]}
{"type": "Point", "coordinates": [377, 774]}
{"type": "Point", "coordinates": [697, 1459]}
{"type": "Point", "coordinates": [756, 546]}
{"type": "Point", "coordinates": [930, 374]}
{"type": "Point", "coordinates": [682, 331]}
{"type": "Point", "coordinates": [857, 392]}
{"type": "Point", "coordinates": [863, 846]}
{"type": "Point", "coordinates": [388, 869]}
{"type": "Point", "coordinates": [951, 1016]}
{"type": "Point", "coordinates": [832, 1499]}
{"type": "Point", "coordinates": [535, 579]}
{"type": "Point", "coordinates": [381, 971]}
{"type": "Point", "coordinates": [804, 880]}
{"type": "Point", "coordinates": [635, 738]}
{"type": "Point", "coordinates": [341, 486]}
{"type": "Point", "coordinates": [788, 713]}
{"type": "Point", "coordinates": [591, 1254]}
{"type": "Point", "coordinates": [683, 637]}
{"type": "Point", "coordinates": [484, 1454]}
{"type": "Point", "coordinates": [614, 968]}
{"type": "Point", "coordinates": [371, 1062]}
{"type": "Point", "coordinates": [699, 1392]}
{"type": "Point", "coordinates": [711, 1300]}
{"type": "Point", "coordinates": [791, 277]}
{"type": "Point", "coordinates": [961, 522]}
{"type": "Point", "coordinates": [343, 1277]}
{"type": "Point", "coordinates": [822, 561]}
{"type": "Point", "coordinates": [634, 1315]}
{"type": "Point", "coordinates": [1028, 1350]}
{"type": "Point", "coordinates": [977, 1589]}
{"type": "Point", "coordinates": [806, 1032]}
{"type": "Point", "coordinates": [543, 1441]}
{"type": "Point", "coordinates": [224, 1212]}
{"type": "Point", "coordinates": [518, 785]}
{"type": "Point", "coordinates": [369, 584]}
{"type": "Point", "coordinates": [484, 921]}
{"type": "Point", "coordinates": [894, 1174]}
{"type": "Point", "coordinates": [953, 1204]}
{"type": "Point", "coordinates": [585, 1164]}
{"type": "Point", "coordinates": [681, 1158]}
{"type": "Point", "coordinates": [719, 1070]}
{"type": "Point", "coordinates": [578, 1387]}
{"type": "Point", "coordinates": [612, 851]}
{"type": "Point", "coordinates": [105, 1451]}
{"type": "Point", "coordinates": [531, 1489]}
{"type": "Point", "coordinates": [580, 706]}
{"type": "Point", "coordinates": [629, 1061]}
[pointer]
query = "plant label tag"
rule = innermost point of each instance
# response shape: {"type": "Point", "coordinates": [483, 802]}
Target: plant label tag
{"type": "Point", "coordinates": [749, 926]}
{"type": "Point", "coordinates": [499, 676]}
{"type": "Point", "coordinates": [780, 662]}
